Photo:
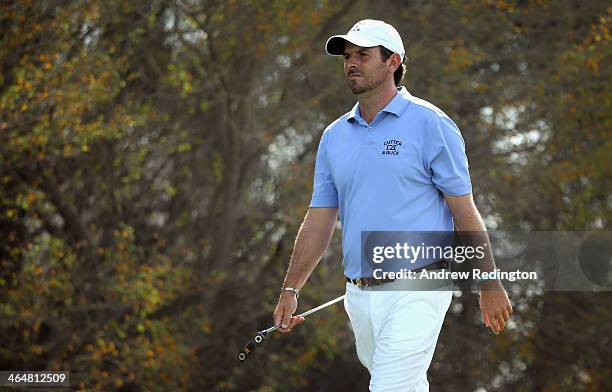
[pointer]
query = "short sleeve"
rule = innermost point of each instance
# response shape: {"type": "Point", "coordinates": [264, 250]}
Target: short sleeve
{"type": "Point", "coordinates": [447, 160]}
{"type": "Point", "coordinates": [324, 193]}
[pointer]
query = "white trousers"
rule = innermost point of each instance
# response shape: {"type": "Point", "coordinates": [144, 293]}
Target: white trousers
{"type": "Point", "coordinates": [396, 334]}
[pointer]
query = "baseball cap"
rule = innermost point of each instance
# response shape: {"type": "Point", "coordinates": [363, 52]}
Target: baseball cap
{"type": "Point", "coordinates": [367, 33]}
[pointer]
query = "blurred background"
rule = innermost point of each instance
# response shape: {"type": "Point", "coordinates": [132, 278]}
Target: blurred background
{"type": "Point", "coordinates": [157, 159]}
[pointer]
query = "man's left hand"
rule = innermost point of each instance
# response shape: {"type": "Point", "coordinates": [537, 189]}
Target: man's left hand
{"type": "Point", "coordinates": [494, 305]}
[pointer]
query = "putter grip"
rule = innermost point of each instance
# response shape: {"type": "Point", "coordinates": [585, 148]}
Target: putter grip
{"type": "Point", "coordinates": [250, 346]}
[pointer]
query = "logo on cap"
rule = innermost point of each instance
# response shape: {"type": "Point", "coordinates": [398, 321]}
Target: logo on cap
{"type": "Point", "coordinates": [357, 27]}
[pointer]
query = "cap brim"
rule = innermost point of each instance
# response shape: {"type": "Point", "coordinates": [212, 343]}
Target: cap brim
{"type": "Point", "coordinates": [335, 45]}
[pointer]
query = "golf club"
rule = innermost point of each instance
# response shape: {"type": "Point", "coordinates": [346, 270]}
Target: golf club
{"type": "Point", "coordinates": [261, 335]}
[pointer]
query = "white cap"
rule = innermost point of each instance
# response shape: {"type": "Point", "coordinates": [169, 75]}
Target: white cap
{"type": "Point", "coordinates": [367, 33]}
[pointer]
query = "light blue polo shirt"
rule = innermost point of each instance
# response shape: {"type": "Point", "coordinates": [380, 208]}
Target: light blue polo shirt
{"type": "Point", "coordinates": [390, 175]}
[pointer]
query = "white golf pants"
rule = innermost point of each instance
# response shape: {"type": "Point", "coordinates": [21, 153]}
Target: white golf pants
{"type": "Point", "coordinates": [396, 334]}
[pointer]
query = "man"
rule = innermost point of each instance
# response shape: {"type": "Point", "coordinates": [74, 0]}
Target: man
{"type": "Point", "coordinates": [394, 162]}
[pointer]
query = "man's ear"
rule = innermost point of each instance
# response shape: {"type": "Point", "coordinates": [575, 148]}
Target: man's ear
{"type": "Point", "coordinates": [396, 61]}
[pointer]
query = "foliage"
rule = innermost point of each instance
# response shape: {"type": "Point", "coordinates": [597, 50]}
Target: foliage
{"type": "Point", "coordinates": [156, 162]}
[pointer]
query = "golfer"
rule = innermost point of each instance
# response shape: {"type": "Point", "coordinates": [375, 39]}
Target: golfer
{"type": "Point", "coordinates": [394, 162]}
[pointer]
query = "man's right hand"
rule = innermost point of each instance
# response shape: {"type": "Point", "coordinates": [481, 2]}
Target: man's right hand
{"type": "Point", "coordinates": [283, 314]}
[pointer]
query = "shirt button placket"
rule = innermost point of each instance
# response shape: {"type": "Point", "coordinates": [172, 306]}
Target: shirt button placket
{"type": "Point", "coordinates": [370, 136]}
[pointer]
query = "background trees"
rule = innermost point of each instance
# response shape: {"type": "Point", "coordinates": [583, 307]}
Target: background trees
{"type": "Point", "coordinates": [157, 161]}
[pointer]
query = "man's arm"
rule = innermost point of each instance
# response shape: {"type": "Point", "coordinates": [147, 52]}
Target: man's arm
{"type": "Point", "coordinates": [494, 302]}
{"type": "Point", "coordinates": [312, 240]}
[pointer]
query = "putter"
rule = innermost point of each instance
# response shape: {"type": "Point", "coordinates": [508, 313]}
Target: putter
{"type": "Point", "coordinates": [261, 335]}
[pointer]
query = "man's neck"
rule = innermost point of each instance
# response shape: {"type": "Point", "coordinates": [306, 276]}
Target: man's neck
{"type": "Point", "coordinates": [374, 101]}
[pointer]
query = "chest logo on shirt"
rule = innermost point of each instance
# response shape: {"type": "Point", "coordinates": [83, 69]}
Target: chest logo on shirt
{"type": "Point", "coordinates": [391, 147]}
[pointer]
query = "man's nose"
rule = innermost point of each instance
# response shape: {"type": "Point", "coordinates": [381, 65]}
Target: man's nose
{"type": "Point", "coordinates": [350, 62]}
{"type": "Point", "coordinates": [351, 65]}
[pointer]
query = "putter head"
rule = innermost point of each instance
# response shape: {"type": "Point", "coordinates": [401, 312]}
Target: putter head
{"type": "Point", "coordinates": [250, 346]}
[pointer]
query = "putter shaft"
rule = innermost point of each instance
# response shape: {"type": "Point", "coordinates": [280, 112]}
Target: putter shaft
{"type": "Point", "coordinates": [261, 335]}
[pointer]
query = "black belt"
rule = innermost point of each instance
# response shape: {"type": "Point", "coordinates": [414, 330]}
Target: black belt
{"type": "Point", "coordinates": [368, 281]}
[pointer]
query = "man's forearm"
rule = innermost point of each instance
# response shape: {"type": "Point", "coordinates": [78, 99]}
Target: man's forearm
{"type": "Point", "coordinates": [312, 240]}
{"type": "Point", "coordinates": [472, 232]}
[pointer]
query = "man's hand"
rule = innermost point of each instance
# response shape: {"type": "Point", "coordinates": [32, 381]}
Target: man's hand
{"type": "Point", "coordinates": [283, 314]}
{"type": "Point", "coordinates": [494, 305]}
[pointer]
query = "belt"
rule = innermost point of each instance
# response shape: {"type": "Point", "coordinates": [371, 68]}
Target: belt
{"type": "Point", "coordinates": [368, 281]}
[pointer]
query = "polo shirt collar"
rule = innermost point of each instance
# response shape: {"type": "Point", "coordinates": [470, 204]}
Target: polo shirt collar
{"type": "Point", "coordinates": [399, 103]}
{"type": "Point", "coordinates": [396, 106]}
{"type": "Point", "coordinates": [354, 113]}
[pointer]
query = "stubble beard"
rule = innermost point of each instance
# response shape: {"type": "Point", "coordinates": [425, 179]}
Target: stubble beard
{"type": "Point", "coordinates": [365, 85]}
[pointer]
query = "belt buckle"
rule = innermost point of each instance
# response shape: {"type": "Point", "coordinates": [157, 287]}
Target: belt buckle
{"type": "Point", "coordinates": [361, 283]}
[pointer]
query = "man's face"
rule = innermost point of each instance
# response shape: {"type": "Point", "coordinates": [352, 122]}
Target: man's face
{"type": "Point", "coordinates": [364, 68]}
